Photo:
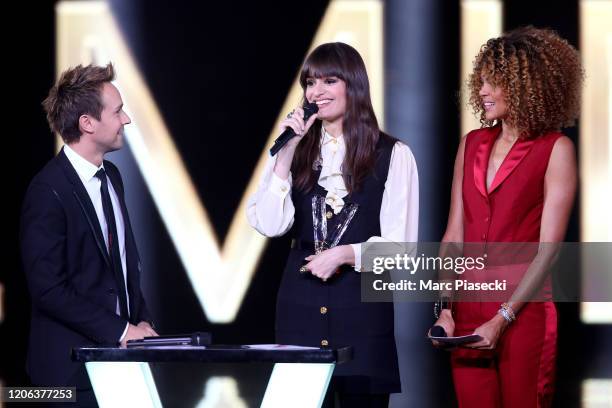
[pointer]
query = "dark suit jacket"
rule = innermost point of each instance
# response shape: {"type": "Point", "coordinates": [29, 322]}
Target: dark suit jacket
{"type": "Point", "coordinates": [69, 273]}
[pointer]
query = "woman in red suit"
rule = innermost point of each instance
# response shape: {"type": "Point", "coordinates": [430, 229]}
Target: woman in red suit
{"type": "Point", "coordinates": [514, 181]}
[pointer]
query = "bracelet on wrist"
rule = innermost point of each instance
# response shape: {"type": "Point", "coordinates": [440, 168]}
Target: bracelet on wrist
{"type": "Point", "coordinates": [507, 312]}
{"type": "Point", "coordinates": [509, 309]}
{"type": "Point", "coordinates": [443, 303]}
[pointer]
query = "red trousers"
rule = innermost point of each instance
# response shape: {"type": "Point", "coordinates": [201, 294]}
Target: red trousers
{"type": "Point", "coordinates": [520, 371]}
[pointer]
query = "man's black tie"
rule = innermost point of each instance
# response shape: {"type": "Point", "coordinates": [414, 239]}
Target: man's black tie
{"type": "Point", "coordinates": [113, 242]}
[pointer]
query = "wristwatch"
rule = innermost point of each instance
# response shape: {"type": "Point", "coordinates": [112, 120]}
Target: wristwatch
{"type": "Point", "coordinates": [443, 303]}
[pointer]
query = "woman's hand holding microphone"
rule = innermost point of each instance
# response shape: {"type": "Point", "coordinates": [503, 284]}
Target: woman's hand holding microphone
{"type": "Point", "coordinates": [295, 121]}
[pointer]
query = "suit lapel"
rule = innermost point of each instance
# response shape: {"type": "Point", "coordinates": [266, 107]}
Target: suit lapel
{"type": "Point", "coordinates": [516, 154]}
{"type": "Point", "coordinates": [86, 205]}
{"type": "Point", "coordinates": [481, 160]}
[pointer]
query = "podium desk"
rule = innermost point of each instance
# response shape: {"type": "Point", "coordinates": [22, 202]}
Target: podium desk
{"type": "Point", "coordinates": [122, 377]}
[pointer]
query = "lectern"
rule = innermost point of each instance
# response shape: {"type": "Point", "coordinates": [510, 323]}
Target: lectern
{"type": "Point", "coordinates": [122, 377]}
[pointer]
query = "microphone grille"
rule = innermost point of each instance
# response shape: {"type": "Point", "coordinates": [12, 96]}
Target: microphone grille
{"type": "Point", "coordinates": [310, 109]}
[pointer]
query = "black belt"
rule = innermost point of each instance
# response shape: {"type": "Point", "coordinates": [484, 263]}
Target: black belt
{"type": "Point", "coordinates": [302, 245]}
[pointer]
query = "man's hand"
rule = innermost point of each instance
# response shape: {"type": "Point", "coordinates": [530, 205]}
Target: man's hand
{"type": "Point", "coordinates": [143, 330]}
{"type": "Point", "coordinates": [146, 326]}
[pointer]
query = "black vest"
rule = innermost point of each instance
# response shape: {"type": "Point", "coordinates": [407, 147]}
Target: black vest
{"type": "Point", "coordinates": [311, 312]}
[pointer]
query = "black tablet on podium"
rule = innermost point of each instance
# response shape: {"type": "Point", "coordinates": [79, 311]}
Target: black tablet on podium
{"type": "Point", "coordinates": [198, 339]}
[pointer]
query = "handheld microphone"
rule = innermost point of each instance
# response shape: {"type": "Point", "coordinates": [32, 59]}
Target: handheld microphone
{"type": "Point", "coordinates": [438, 331]}
{"type": "Point", "coordinates": [309, 110]}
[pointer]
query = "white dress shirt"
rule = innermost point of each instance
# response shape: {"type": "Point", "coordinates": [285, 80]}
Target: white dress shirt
{"type": "Point", "coordinates": [271, 212]}
{"type": "Point", "coordinates": [87, 173]}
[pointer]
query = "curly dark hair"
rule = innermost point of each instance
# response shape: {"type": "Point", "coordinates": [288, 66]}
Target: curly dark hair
{"type": "Point", "coordinates": [540, 74]}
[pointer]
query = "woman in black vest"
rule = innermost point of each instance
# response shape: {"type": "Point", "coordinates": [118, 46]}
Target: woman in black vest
{"type": "Point", "coordinates": [340, 154]}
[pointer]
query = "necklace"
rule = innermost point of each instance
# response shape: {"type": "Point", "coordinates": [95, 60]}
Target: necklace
{"type": "Point", "coordinates": [317, 165]}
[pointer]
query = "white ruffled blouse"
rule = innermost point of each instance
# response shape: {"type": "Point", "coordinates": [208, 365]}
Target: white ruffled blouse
{"type": "Point", "coordinates": [271, 212]}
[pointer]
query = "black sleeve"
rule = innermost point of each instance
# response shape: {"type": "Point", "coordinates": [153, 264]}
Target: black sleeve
{"type": "Point", "coordinates": [43, 250]}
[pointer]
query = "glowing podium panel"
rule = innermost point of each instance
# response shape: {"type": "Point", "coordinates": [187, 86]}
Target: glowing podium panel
{"type": "Point", "coordinates": [122, 377]}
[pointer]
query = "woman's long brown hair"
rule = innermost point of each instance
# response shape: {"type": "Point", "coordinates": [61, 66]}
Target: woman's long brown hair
{"type": "Point", "coordinates": [360, 127]}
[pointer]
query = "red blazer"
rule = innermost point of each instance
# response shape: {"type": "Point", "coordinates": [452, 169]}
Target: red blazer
{"type": "Point", "coordinates": [511, 211]}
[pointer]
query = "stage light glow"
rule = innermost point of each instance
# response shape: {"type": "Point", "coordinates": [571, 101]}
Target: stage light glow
{"type": "Point", "coordinates": [283, 390]}
{"type": "Point", "coordinates": [480, 20]}
{"type": "Point", "coordinates": [596, 138]}
{"type": "Point", "coordinates": [596, 393]}
{"type": "Point", "coordinates": [221, 392]}
{"type": "Point", "coordinates": [123, 384]}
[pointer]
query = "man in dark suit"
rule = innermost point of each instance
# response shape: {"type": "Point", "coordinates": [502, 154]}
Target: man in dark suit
{"type": "Point", "coordinates": [78, 249]}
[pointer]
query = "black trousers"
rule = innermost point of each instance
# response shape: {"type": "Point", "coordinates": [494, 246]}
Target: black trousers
{"type": "Point", "coordinates": [339, 399]}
